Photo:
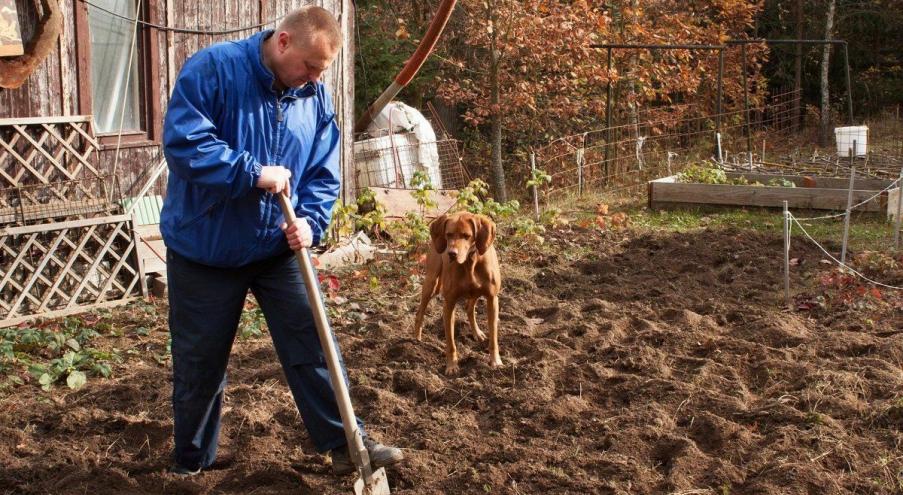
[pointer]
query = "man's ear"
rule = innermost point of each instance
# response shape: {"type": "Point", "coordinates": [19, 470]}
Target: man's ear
{"type": "Point", "coordinates": [485, 233]}
{"type": "Point", "coordinates": [437, 234]}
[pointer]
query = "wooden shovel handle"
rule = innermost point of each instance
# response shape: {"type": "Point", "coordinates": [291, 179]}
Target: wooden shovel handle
{"type": "Point", "coordinates": [349, 421]}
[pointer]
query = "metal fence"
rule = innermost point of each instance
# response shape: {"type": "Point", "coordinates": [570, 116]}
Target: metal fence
{"type": "Point", "coordinates": [661, 141]}
{"type": "Point", "coordinates": [390, 160]}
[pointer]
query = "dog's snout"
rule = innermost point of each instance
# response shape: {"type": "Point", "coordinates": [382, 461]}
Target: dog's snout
{"type": "Point", "coordinates": [452, 252]}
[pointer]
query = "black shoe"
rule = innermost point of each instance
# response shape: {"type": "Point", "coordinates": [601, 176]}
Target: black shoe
{"type": "Point", "coordinates": [380, 456]}
{"type": "Point", "coordinates": [184, 472]}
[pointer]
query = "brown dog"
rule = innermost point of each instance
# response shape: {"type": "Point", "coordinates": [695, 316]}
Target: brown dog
{"type": "Point", "coordinates": [462, 264]}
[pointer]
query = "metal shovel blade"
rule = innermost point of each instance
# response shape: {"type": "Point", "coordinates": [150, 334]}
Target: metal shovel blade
{"type": "Point", "coordinates": [379, 484]}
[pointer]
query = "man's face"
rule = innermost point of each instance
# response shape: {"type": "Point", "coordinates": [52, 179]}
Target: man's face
{"type": "Point", "coordinates": [301, 60]}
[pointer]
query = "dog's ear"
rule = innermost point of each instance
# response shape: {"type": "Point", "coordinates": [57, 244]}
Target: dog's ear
{"type": "Point", "coordinates": [437, 234]}
{"type": "Point", "coordinates": [485, 233]}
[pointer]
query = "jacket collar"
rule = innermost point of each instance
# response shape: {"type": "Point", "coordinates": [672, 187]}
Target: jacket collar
{"type": "Point", "coordinates": [254, 48]}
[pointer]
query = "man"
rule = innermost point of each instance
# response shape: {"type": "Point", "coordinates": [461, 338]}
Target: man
{"type": "Point", "coordinates": [247, 121]}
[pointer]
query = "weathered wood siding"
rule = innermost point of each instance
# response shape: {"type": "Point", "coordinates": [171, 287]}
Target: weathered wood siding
{"type": "Point", "coordinates": [53, 89]}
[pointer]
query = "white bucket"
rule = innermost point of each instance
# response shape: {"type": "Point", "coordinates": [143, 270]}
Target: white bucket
{"type": "Point", "coordinates": [845, 137]}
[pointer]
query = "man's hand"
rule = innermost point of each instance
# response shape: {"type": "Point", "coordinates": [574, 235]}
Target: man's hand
{"type": "Point", "coordinates": [298, 234]}
{"type": "Point", "coordinates": [274, 178]}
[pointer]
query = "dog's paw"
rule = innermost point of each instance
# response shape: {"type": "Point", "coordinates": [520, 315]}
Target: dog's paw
{"type": "Point", "coordinates": [479, 336]}
{"type": "Point", "coordinates": [495, 362]}
{"type": "Point", "coordinates": [451, 369]}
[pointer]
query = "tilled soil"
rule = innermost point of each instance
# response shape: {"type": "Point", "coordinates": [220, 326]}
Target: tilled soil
{"type": "Point", "coordinates": [634, 362]}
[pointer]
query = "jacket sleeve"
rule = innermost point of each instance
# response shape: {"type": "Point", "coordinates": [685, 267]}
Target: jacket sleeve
{"type": "Point", "coordinates": [318, 188]}
{"type": "Point", "coordinates": [191, 142]}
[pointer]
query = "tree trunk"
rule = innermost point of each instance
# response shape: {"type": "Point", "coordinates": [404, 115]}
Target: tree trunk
{"type": "Point", "coordinates": [825, 127]}
{"type": "Point", "coordinates": [497, 169]}
{"type": "Point", "coordinates": [798, 66]}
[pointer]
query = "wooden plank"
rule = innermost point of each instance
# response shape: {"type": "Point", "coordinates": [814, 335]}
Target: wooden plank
{"type": "Point", "coordinates": [797, 197]}
{"type": "Point", "coordinates": [8, 322]}
{"type": "Point", "coordinates": [820, 182]}
{"type": "Point", "coordinates": [30, 229]}
{"type": "Point", "coordinates": [152, 255]}
{"type": "Point", "coordinates": [346, 109]}
{"type": "Point", "coordinates": [83, 58]}
{"type": "Point", "coordinates": [45, 120]}
{"type": "Point", "coordinates": [68, 61]}
{"type": "Point", "coordinates": [399, 202]}
{"type": "Point", "coordinates": [893, 196]}
{"type": "Point", "coordinates": [150, 232]}
{"type": "Point", "coordinates": [151, 58]}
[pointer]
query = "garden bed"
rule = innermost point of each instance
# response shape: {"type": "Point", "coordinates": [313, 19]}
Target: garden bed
{"type": "Point", "coordinates": [816, 193]}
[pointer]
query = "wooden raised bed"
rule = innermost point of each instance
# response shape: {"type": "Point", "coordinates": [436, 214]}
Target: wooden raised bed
{"type": "Point", "coordinates": [827, 193]}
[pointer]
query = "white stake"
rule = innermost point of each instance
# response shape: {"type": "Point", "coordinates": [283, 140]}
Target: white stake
{"type": "Point", "coordinates": [899, 211]}
{"type": "Point", "coordinates": [786, 255]}
{"type": "Point", "coordinates": [533, 176]}
{"type": "Point", "coordinates": [580, 171]}
{"type": "Point", "coordinates": [718, 138]}
{"type": "Point", "coordinates": [846, 218]}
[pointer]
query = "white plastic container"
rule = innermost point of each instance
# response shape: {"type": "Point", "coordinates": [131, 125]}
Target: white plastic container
{"type": "Point", "coordinates": [386, 161]}
{"type": "Point", "coordinates": [845, 137]}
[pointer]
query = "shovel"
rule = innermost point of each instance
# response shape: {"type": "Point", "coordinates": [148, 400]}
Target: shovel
{"type": "Point", "coordinates": [369, 482]}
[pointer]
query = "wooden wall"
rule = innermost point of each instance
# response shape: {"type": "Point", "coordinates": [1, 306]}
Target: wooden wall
{"type": "Point", "coordinates": [53, 89]}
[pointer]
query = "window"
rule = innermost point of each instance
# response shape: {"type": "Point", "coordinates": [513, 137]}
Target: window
{"type": "Point", "coordinates": [114, 81]}
{"type": "Point", "coordinates": [112, 87]}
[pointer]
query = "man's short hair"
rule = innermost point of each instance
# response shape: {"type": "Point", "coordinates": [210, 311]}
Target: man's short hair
{"type": "Point", "coordinates": [309, 21]}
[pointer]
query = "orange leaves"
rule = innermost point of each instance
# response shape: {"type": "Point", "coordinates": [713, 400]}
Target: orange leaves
{"type": "Point", "coordinates": [402, 32]}
{"type": "Point", "coordinates": [615, 220]}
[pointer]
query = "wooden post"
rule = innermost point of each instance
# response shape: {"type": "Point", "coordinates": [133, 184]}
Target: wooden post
{"type": "Point", "coordinates": [899, 211]}
{"type": "Point", "coordinates": [533, 177]}
{"type": "Point", "coordinates": [786, 255]}
{"type": "Point", "coordinates": [846, 218]}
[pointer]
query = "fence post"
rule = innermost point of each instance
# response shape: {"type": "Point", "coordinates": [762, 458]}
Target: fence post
{"type": "Point", "coordinates": [533, 177]}
{"type": "Point", "coordinates": [846, 218]}
{"type": "Point", "coordinates": [899, 211]}
{"type": "Point", "coordinates": [580, 166]}
{"type": "Point", "coordinates": [786, 255]}
{"type": "Point", "coordinates": [718, 147]}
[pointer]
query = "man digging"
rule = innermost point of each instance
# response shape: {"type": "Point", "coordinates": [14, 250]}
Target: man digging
{"type": "Point", "coordinates": [249, 120]}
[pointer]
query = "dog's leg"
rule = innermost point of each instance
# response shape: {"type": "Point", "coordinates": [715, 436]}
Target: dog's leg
{"type": "Point", "coordinates": [472, 316]}
{"type": "Point", "coordinates": [451, 352]}
{"type": "Point", "coordinates": [492, 312]}
{"type": "Point", "coordinates": [430, 286]}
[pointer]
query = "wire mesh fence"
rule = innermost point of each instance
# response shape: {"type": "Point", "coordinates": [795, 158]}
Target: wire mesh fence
{"type": "Point", "coordinates": [660, 141]}
{"type": "Point", "coordinates": [59, 201]}
{"type": "Point", "coordinates": [391, 159]}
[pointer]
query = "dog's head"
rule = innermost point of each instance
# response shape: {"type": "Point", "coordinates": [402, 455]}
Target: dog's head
{"type": "Point", "coordinates": [460, 234]}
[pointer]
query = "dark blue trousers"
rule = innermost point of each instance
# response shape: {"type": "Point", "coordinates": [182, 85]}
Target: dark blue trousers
{"type": "Point", "coordinates": [205, 305]}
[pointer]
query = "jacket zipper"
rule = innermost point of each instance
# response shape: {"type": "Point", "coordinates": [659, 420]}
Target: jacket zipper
{"type": "Point", "coordinates": [270, 200]}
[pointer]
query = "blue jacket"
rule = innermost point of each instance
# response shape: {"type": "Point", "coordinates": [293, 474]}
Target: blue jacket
{"type": "Point", "coordinates": [224, 121]}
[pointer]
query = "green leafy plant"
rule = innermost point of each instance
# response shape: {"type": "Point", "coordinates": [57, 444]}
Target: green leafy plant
{"type": "Point", "coordinates": [423, 188]}
{"type": "Point", "coordinates": [54, 353]}
{"type": "Point", "coordinates": [470, 199]}
{"type": "Point", "coordinates": [365, 214]}
{"type": "Point", "coordinates": [704, 173]}
{"type": "Point", "coordinates": [529, 230]}
{"type": "Point", "coordinates": [252, 324]}
{"type": "Point", "coordinates": [538, 178]}
{"type": "Point", "coordinates": [781, 182]}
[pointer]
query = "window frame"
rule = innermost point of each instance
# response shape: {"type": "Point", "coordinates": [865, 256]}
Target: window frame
{"type": "Point", "coordinates": [148, 53]}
